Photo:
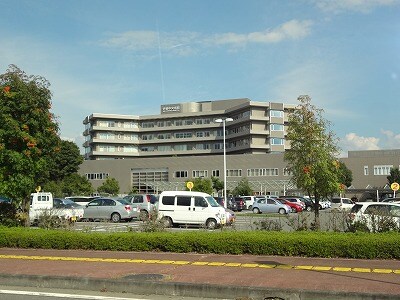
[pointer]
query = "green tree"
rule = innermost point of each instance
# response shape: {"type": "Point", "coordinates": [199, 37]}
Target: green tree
{"type": "Point", "coordinates": [201, 185]}
{"type": "Point", "coordinates": [312, 156]}
{"type": "Point", "coordinates": [345, 176]}
{"type": "Point", "coordinates": [75, 184]}
{"type": "Point", "coordinates": [53, 187]}
{"type": "Point", "coordinates": [217, 184]}
{"type": "Point", "coordinates": [28, 133]}
{"type": "Point", "coordinates": [66, 161]}
{"type": "Point", "coordinates": [110, 186]}
{"type": "Point", "coordinates": [394, 176]}
{"type": "Point", "coordinates": [243, 188]}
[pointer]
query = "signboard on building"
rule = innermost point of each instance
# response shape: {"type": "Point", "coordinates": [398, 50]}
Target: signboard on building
{"type": "Point", "coordinates": [171, 108]}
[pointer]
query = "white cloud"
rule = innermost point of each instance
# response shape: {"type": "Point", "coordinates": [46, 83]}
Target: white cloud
{"type": "Point", "coordinates": [392, 140]}
{"type": "Point", "coordinates": [185, 43]}
{"type": "Point", "coordinates": [364, 6]}
{"type": "Point", "coordinates": [354, 142]}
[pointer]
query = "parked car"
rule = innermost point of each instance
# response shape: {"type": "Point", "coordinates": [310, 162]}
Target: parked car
{"type": "Point", "coordinates": [5, 200]}
{"type": "Point", "coordinates": [392, 200]}
{"type": "Point", "coordinates": [142, 204]}
{"type": "Point", "coordinates": [230, 204]}
{"type": "Point", "coordinates": [340, 203]}
{"type": "Point", "coordinates": [108, 209]}
{"type": "Point", "coordinates": [239, 203]}
{"type": "Point", "coordinates": [375, 214]}
{"type": "Point", "coordinates": [294, 199]}
{"type": "Point", "coordinates": [82, 200]}
{"type": "Point", "coordinates": [269, 205]}
{"type": "Point", "coordinates": [65, 203]}
{"type": "Point", "coordinates": [248, 201]}
{"type": "Point", "coordinates": [294, 206]}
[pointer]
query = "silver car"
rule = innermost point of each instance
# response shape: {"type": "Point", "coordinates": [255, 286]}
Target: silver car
{"type": "Point", "coordinates": [108, 209]}
{"type": "Point", "coordinates": [142, 204]}
{"type": "Point", "coordinates": [268, 205]}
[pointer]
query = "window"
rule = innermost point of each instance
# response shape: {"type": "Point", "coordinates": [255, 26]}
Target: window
{"type": "Point", "coordinates": [183, 200]}
{"type": "Point", "coordinates": [276, 113]}
{"type": "Point", "coordinates": [262, 172]}
{"type": "Point", "coordinates": [200, 202]}
{"type": "Point", "coordinates": [164, 148]}
{"type": "Point", "coordinates": [96, 176]}
{"type": "Point", "coordinates": [276, 141]}
{"type": "Point", "coordinates": [178, 123]}
{"type": "Point", "coordinates": [199, 173]}
{"type": "Point", "coordinates": [181, 174]}
{"type": "Point", "coordinates": [183, 135]}
{"type": "Point", "coordinates": [276, 127]}
{"type": "Point", "coordinates": [382, 170]}
{"type": "Point", "coordinates": [147, 124]}
{"type": "Point", "coordinates": [215, 173]}
{"type": "Point", "coordinates": [234, 173]}
{"type": "Point", "coordinates": [168, 200]}
{"type": "Point", "coordinates": [180, 147]}
{"type": "Point", "coordinates": [366, 173]}
{"type": "Point", "coordinates": [286, 172]}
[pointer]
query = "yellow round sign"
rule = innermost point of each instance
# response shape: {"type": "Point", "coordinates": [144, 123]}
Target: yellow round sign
{"type": "Point", "coordinates": [395, 186]}
{"type": "Point", "coordinates": [189, 185]}
{"type": "Point", "coordinates": [38, 189]}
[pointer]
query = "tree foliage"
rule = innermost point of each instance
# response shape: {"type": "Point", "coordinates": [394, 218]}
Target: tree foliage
{"type": "Point", "coordinates": [217, 184]}
{"type": "Point", "coordinates": [312, 158]}
{"type": "Point", "coordinates": [345, 176]}
{"type": "Point", "coordinates": [28, 133]}
{"type": "Point", "coordinates": [243, 188]}
{"type": "Point", "coordinates": [66, 161]}
{"type": "Point", "coordinates": [110, 186]}
{"type": "Point", "coordinates": [394, 176]}
{"type": "Point", "coordinates": [201, 185]}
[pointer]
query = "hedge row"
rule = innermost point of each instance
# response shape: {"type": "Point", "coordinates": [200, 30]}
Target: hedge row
{"type": "Point", "coordinates": [307, 244]}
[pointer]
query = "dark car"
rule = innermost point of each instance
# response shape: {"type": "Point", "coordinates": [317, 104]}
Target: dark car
{"type": "Point", "coordinates": [240, 203]}
{"type": "Point", "coordinates": [5, 200]}
{"type": "Point", "coordinates": [232, 205]}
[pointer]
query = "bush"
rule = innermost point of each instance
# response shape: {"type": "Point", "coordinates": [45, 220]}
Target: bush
{"type": "Point", "coordinates": [9, 215]}
{"type": "Point", "coordinates": [304, 243]}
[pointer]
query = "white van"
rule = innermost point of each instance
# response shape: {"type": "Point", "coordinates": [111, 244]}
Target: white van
{"type": "Point", "coordinates": [184, 207]}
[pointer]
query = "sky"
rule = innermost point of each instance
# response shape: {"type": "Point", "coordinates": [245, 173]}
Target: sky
{"type": "Point", "coordinates": [131, 56]}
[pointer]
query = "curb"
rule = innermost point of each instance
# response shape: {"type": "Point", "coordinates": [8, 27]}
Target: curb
{"type": "Point", "coordinates": [143, 287]}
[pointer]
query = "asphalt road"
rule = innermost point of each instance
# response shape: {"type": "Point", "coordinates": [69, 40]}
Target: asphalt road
{"type": "Point", "coordinates": [245, 220]}
{"type": "Point", "coordinates": [32, 293]}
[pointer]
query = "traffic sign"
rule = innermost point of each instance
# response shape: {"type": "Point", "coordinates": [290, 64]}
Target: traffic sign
{"type": "Point", "coordinates": [395, 186]}
{"type": "Point", "coordinates": [189, 185]}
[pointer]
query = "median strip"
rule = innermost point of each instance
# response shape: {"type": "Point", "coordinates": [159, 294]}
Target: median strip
{"type": "Point", "coordinates": [204, 263]}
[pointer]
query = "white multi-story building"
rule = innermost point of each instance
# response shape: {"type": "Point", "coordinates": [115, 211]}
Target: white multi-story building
{"type": "Point", "coordinates": [187, 129]}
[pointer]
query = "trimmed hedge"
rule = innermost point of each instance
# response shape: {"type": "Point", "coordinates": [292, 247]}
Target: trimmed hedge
{"type": "Point", "coordinates": [307, 244]}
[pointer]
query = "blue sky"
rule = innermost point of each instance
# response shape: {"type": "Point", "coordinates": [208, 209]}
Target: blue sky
{"type": "Point", "coordinates": [129, 57]}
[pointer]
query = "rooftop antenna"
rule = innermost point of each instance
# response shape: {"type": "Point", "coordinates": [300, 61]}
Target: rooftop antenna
{"type": "Point", "coordinates": [161, 65]}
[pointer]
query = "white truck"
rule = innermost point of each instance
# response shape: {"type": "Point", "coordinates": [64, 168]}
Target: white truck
{"type": "Point", "coordinates": [43, 203]}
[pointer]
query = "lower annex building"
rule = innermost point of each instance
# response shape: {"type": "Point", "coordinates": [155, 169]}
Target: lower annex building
{"type": "Point", "coordinates": [185, 141]}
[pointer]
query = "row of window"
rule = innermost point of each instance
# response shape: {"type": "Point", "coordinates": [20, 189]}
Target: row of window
{"type": "Point", "coordinates": [257, 172]}
{"type": "Point", "coordinates": [97, 176]}
{"type": "Point", "coordinates": [379, 170]}
{"type": "Point", "coordinates": [177, 135]}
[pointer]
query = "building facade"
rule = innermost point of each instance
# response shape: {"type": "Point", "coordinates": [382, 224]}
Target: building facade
{"type": "Point", "coordinates": [162, 152]}
{"type": "Point", "coordinates": [187, 129]}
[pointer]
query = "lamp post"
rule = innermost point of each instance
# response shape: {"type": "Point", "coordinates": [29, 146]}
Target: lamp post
{"type": "Point", "coordinates": [223, 121]}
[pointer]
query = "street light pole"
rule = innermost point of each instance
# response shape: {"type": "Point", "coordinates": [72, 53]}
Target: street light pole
{"type": "Point", "coordinates": [223, 121]}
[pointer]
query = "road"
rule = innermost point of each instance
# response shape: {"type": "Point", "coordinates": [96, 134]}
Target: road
{"type": "Point", "coordinates": [32, 293]}
{"type": "Point", "coordinates": [245, 220]}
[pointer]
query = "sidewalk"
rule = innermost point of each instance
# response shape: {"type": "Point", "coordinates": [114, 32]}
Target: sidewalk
{"type": "Point", "coordinates": [205, 275]}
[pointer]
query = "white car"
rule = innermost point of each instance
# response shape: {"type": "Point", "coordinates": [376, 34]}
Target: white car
{"type": "Point", "coordinates": [340, 203]}
{"type": "Point", "coordinates": [375, 215]}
